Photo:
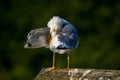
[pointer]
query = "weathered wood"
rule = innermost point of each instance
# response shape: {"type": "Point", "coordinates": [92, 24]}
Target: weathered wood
{"type": "Point", "coordinates": [78, 74]}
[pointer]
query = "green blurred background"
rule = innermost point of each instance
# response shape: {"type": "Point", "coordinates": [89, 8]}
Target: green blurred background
{"type": "Point", "coordinates": [97, 21]}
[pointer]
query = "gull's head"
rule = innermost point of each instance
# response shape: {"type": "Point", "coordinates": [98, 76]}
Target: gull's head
{"type": "Point", "coordinates": [55, 25]}
{"type": "Point", "coordinates": [37, 38]}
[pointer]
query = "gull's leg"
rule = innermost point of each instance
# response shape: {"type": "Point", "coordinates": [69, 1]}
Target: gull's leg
{"type": "Point", "coordinates": [53, 66]}
{"type": "Point", "coordinates": [68, 61]}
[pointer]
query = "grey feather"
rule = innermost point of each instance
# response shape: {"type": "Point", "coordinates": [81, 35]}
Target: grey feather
{"type": "Point", "coordinates": [37, 38]}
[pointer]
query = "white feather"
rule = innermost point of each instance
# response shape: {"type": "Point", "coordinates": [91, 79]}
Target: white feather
{"type": "Point", "coordinates": [55, 23]}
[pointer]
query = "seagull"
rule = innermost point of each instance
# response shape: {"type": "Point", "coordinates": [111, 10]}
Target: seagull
{"type": "Point", "coordinates": [63, 37]}
{"type": "Point", "coordinates": [60, 36]}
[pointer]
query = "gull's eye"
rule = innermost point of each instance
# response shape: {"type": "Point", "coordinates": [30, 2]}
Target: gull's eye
{"type": "Point", "coordinates": [29, 44]}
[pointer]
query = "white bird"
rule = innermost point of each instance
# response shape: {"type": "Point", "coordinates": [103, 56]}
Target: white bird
{"type": "Point", "coordinates": [60, 37]}
{"type": "Point", "coordinates": [63, 37]}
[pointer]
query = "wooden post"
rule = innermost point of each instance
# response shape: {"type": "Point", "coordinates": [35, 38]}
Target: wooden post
{"type": "Point", "coordinates": [78, 74]}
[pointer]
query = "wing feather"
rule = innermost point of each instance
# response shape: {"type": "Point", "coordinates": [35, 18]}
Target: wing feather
{"type": "Point", "coordinates": [68, 37]}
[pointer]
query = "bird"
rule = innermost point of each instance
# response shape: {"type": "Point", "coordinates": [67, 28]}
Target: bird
{"type": "Point", "coordinates": [63, 37]}
{"type": "Point", "coordinates": [60, 36]}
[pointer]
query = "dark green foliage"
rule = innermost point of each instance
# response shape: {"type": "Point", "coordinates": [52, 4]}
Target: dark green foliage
{"type": "Point", "coordinates": [97, 21]}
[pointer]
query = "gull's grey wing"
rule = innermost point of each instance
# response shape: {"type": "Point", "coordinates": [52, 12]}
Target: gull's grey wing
{"type": "Point", "coordinates": [68, 37]}
{"type": "Point", "coordinates": [37, 38]}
